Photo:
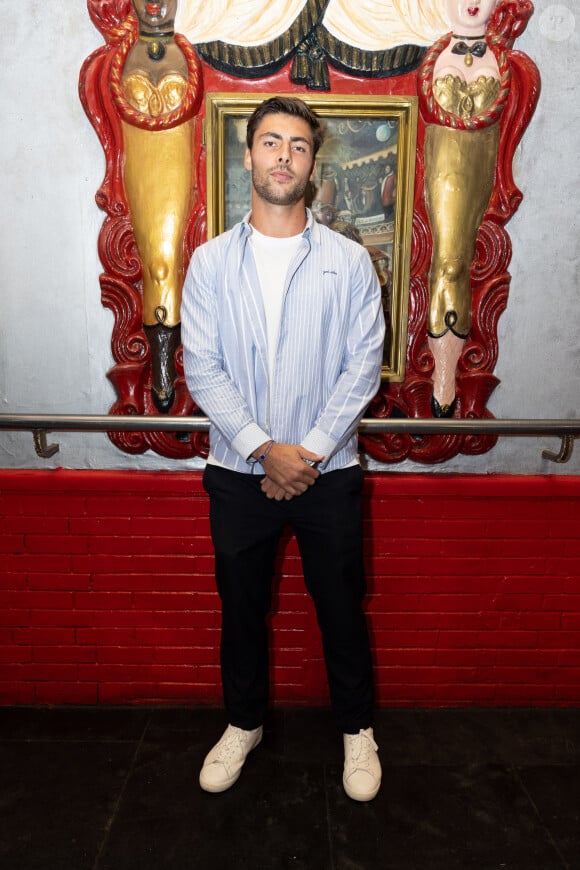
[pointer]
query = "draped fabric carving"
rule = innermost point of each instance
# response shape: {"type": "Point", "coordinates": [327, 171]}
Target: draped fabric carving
{"type": "Point", "coordinates": [311, 46]}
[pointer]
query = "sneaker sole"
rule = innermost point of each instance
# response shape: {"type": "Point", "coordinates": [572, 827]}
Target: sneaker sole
{"type": "Point", "coordinates": [357, 796]}
{"type": "Point", "coordinates": [217, 789]}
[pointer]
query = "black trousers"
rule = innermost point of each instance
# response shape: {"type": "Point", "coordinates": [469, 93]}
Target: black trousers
{"type": "Point", "coordinates": [246, 528]}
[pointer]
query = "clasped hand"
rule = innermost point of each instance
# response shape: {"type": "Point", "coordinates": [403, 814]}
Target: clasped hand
{"type": "Point", "coordinates": [288, 472]}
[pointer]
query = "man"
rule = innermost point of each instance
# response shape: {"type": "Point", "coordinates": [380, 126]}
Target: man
{"type": "Point", "coordinates": [389, 190]}
{"type": "Point", "coordinates": [282, 331]}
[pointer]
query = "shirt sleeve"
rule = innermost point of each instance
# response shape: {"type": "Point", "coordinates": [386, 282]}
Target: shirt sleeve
{"type": "Point", "coordinates": [209, 384]}
{"type": "Point", "coordinates": [361, 374]}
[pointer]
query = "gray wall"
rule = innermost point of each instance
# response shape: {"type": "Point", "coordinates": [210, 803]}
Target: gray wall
{"type": "Point", "coordinates": [55, 335]}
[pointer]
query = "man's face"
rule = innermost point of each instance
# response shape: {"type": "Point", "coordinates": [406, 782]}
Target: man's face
{"type": "Point", "coordinates": [281, 159]}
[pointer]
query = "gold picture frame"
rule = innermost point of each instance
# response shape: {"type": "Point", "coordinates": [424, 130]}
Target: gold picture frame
{"type": "Point", "coordinates": [352, 189]}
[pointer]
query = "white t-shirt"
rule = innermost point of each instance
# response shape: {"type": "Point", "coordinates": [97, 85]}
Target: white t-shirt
{"type": "Point", "coordinates": [273, 257]}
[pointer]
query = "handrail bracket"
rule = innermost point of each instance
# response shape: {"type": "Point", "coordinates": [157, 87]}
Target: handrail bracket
{"type": "Point", "coordinates": [566, 450]}
{"type": "Point", "coordinates": [43, 449]}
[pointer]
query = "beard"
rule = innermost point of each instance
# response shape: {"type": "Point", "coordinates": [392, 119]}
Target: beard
{"type": "Point", "coordinates": [268, 190]}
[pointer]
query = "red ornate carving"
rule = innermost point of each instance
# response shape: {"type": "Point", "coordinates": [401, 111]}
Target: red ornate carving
{"type": "Point", "coordinates": [121, 285]}
{"type": "Point", "coordinates": [108, 15]}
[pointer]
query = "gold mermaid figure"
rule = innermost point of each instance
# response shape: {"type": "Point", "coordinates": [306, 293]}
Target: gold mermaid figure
{"type": "Point", "coordinates": [461, 76]}
{"type": "Point", "coordinates": [156, 83]}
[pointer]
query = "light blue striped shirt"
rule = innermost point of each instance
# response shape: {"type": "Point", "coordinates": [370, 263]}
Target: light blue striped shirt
{"type": "Point", "coordinates": [328, 355]}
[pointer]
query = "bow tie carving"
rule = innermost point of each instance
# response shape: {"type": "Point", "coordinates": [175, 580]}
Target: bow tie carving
{"type": "Point", "coordinates": [477, 48]}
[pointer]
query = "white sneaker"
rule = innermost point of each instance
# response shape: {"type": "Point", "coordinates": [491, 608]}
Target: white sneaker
{"type": "Point", "coordinates": [362, 769]}
{"type": "Point", "coordinates": [223, 764]}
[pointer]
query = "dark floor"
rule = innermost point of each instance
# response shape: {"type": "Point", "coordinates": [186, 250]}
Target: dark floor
{"type": "Point", "coordinates": [116, 789]}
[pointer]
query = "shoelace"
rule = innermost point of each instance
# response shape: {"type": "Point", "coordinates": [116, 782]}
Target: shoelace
{"type": "Point", "coordinates": [231, 745]}
{"type": "Point", "coordinates": [360, 748]}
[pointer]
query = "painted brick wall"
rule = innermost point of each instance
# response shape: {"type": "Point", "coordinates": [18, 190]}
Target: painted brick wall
{"type": "Point", "coordinates": [107, 595]}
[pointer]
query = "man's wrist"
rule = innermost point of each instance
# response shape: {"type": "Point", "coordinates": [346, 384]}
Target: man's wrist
{"type": "Point", "coordinates": [262, 452]}
{"type": "Point", "coordinates": [248, 441]}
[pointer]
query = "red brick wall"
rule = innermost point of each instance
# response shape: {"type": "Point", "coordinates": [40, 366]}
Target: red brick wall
{"type": "Point", "coordinates": [107, 596]}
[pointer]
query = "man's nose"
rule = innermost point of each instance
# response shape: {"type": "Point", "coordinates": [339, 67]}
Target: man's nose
{"type": "Point", "coordinates": [285, 153]}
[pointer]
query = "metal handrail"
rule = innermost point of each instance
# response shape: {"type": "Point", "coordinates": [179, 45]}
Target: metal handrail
{"type": "Point", "coordinates": [40, 424]}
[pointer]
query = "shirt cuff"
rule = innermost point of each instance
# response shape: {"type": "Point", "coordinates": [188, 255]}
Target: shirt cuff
{"type": "Point", "coordinates": [317, 442]}
{"type": "Point", "coordinates": [248, 440]}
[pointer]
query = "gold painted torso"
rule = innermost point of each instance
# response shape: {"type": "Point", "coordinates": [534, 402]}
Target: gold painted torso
{"type": "Point", "coordinates": [151, 99]}
{"type": "Point", "coordinates": [465, 99]}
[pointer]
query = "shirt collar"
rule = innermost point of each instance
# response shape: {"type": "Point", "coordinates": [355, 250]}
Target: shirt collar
{"type": "Point", "coordinates": [311, 230]}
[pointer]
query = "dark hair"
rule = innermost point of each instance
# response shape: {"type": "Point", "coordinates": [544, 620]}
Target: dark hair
{"type": "Point", "coordinates": [286, 106]}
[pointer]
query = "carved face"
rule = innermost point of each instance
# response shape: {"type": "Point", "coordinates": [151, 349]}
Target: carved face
{"type": "Point", "coordinates": [469, 17]}
{"type": "Point", "coordinates": [154, 15]}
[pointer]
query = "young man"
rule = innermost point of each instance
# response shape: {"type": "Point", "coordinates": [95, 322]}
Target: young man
{"type": "Point", "coordinates": [282, 331]}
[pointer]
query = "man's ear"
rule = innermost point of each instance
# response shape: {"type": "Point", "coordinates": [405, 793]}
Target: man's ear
{"type": "Point", "coordinates": [248, 159]}
{"type": "Point", "coordinates": [313, 173]}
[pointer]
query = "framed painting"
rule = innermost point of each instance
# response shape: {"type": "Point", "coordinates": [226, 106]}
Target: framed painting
{"type": "Point", "coordinates": [363, 185]}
